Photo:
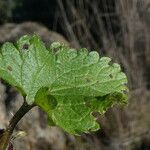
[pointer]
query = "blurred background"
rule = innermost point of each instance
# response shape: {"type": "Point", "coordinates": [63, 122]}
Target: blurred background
{"type": "Point", "coordinates": [119, 29]}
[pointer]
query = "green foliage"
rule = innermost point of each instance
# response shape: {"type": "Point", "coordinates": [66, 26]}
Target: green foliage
{"type": "Point", "coordinates": [67, 84]}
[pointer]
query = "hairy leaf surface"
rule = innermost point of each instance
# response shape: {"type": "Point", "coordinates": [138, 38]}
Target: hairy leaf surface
{"type": "Point", "coordinates": [67, 84]}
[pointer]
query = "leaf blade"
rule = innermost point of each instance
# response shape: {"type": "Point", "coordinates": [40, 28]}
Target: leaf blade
{"type": "Point", "coordinates": [67, 84]}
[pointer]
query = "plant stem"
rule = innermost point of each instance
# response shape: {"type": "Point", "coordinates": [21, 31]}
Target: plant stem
{"type": "Point", "coordinates": [6, 135]}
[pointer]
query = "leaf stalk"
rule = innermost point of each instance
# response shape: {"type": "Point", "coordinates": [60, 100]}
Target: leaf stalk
{"type": "Point", "coordinates": [5, 137]}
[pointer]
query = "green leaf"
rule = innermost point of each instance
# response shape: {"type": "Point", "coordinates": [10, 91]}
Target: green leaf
{"type": "Point", "coordinates": [101, 104]}
{"type": "Point", "coordinates": [67, 84]}
{"type": "Point", "coordinates": [27, 66]}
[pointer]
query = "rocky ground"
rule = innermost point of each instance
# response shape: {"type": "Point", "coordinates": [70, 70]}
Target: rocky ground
{"type": "Point", "coordinates": [122, 128]}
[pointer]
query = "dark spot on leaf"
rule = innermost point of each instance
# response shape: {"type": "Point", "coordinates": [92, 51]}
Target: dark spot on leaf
{"type": "Point", "coordinates": [124, 91]}
{"type": "Point", "coordinates": [25, 46]}
{"type": "Point", "coordinates": [88, 80]}
{"type": "Point", "coordinates": [88, 104]}
{"type": "Point", "coordinates": [111, 62]}
{"type": "Point", "coordinates": [111, 76]}
{"type": "Point", "coordinates": [125, 84]}
{"type": "Point", "coordinates": [95, 114]}
{"type": "Point", "coordinates": [9, 68]}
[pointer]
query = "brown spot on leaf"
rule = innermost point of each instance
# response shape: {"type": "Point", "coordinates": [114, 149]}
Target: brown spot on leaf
{"type": "Point", "coordinates": [88, 80]}
{"type": "Point", "coordinates": [111, 76]}
{"type": "Point", "coordinates": [125, 92]}
{"type": "Point", "coordinates": [25, 46]}
{"type": "Point", "coordinates": [88, 104]}
{"type": "Point", "coordinates": [125, 84]}
{"type": "Point", "coordinates": [9, 68]}
{"type": "Point", "coordinates": [111, 62]}
{"type": "Point", "coordinates": [95, 114]}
